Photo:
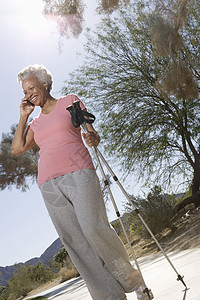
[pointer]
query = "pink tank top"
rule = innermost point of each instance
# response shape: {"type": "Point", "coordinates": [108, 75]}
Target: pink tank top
{"type": "Point", "coordinates": [61, 147]}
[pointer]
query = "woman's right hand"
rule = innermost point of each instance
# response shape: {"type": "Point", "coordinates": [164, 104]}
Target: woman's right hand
{"type": "Point", "coordinates": [25, 108]}
{"type": "Point", "coordinates": [24, 137]}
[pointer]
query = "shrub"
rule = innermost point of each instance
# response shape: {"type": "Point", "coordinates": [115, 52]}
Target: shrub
{"type": "Point", "coordinates": [157, 211]}
{"type": "Point", "coordinates": [67, 274]}
{"type": "Point", "coordinates": [4, 292]}
{"type": "Point", "coordinates": [27, 278]}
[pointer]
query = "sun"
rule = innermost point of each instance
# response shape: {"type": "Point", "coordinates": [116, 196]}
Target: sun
{"type": "Point", "coordinates": [31, 18]}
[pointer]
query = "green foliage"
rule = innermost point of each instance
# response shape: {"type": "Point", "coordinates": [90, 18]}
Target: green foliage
{"type": "Point", "coordinates": [40, 273]}
{"type": "Point", "coordinates": [153, 130]}
{"type": "Point", "coordinates": [26, 278]}
{"type": "Point", "coordinates": [156, 209]}
{"type": "Point", "coordinates": [61, 257]}
{"type": "Point", "coordinates": [19, 171]}
{"type": "Point", "coordinates": [20, 284]}
{"type": "Point", "coordinates": [68, 14]}
{"type": "Point", "coordinates": [66, 268]}
{"type": "Point", "coordinates": [65, 265]}
{"type": "Point", "coordinates": [4, 293]}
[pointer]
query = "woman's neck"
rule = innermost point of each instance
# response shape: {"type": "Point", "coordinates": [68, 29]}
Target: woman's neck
{"type": "Point", "coordinates": [49, 105]}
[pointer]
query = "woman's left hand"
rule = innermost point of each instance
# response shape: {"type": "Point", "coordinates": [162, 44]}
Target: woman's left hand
{"type": "Point", "coordinates": [91, 138]}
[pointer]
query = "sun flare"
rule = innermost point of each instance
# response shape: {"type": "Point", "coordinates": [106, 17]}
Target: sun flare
{"type": "Point", "coordinates": [31, 18]}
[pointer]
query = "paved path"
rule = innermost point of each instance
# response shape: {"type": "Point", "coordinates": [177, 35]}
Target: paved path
{"type": "Point", "coordinates": [158, 275]}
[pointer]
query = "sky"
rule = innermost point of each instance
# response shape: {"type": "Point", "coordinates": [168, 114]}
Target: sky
{"type": "Point", "coordinates": [27, 37]}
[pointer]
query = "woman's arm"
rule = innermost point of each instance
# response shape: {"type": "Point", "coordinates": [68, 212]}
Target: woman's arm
{"type": "Point", "coordinates": [23, 138]}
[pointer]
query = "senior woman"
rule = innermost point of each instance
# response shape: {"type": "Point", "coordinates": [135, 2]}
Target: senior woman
{"type": "Point", "coordinates": [71, 189]}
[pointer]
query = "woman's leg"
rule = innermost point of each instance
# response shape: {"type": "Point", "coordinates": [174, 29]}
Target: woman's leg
{"type": "Point", "coordinates": [101, 284]}
{"type": "Point", "coordinates": [91, 214]}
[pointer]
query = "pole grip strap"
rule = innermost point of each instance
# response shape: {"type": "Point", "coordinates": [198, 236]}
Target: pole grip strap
{"type": "Point", "coordinates": [79, 116]}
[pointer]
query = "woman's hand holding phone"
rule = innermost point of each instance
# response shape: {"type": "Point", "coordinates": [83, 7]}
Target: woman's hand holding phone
{"type": "Point", "coordinates": [26, 107]}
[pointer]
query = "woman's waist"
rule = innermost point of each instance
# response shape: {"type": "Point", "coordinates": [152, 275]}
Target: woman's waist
{"type": "Point", "coordinates": [69, 154]}
{"type": "Point", "coordinates": [65, 147]}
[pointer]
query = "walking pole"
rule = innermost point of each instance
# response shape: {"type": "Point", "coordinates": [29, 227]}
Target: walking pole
{"type": "Point", "coordinates": [81, 121]}
{"type": "Point", "coordinates": [146, 290]}
{"type": "Point", "coordinates": [179, 277]}
{"type": "Point", "coordinates": [78, 117]}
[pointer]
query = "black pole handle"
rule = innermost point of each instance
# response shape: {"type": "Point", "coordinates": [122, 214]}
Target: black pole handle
{"type": "Point", "coordinates": [79, 116]}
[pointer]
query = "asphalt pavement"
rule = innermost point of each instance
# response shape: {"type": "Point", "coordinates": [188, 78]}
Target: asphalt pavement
{"type": "Point", "coordinates": [158, 274]}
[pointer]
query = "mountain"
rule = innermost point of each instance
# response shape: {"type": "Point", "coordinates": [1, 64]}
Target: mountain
{"type": "Point", "coordinates": [7, 272]}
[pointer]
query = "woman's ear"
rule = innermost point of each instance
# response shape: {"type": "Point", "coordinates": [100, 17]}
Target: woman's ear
{"type": "Point", "coordinates": [46, 86]}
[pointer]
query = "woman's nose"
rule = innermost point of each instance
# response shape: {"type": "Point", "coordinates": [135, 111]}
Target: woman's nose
{"type": "Point", "coordinates": [29, 94]}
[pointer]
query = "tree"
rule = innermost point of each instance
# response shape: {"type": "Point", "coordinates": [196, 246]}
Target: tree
{"type": "Point", "coordinates": [61, 257]}
{"type": "Point", "coordinates": [20, 284]}
{"type": "Point", "coordinates": [19, 171]}
{"type": "Point", "coordinates": [63, 260]}
{"type": "Point", "coordinates": [147, 100]}
{"type": "Point", "coordinates": [40, 273]}
{"type": "Point", "coordinates": [69, 14]}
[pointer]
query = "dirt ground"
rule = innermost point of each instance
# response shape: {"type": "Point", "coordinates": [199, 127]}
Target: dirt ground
{"type": "Point", "coordinates": [185, 236]}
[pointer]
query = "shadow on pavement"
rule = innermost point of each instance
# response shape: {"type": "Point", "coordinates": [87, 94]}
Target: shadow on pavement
{"type": "Point", "coordinates": [69, 287]}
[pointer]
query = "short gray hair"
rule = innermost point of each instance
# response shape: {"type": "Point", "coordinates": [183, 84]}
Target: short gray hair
{"type": "Point", "coordinates": [38, 71]}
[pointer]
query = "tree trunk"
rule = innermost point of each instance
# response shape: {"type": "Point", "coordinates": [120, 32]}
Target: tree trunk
{"type": "Point", "coordinates": [195, 198]}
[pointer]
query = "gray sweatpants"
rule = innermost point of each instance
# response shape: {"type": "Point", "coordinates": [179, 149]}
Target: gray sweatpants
{"type": "Point", "coordinates": [76, 207]}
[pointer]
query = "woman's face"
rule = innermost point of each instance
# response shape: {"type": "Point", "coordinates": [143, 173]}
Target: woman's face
{"type": "Point", "coordinates": [35, 91]}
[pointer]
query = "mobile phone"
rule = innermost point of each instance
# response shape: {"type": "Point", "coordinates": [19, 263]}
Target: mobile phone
{"type": "Point", "coordinates": [29, 102]}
